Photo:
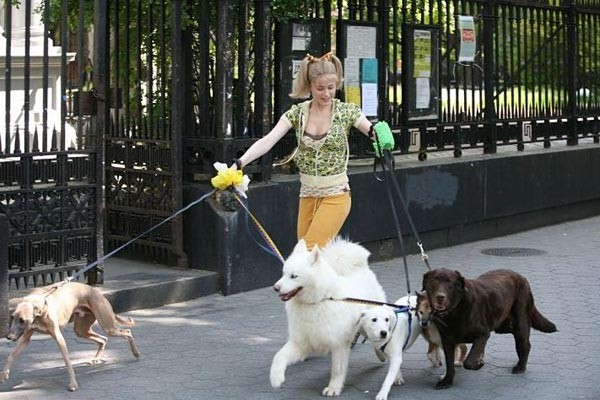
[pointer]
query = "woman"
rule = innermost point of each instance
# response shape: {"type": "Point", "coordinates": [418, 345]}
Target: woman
{"type": "Point", "coordinates": [322, 125]}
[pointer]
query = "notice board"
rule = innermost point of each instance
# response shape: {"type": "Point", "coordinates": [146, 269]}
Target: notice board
{"type": "Point", "coordinates": [420, 74]}
{"type": "Point", "coordinates": [294, 39]}
{"type": "Point", "coordinates": [360, 52]}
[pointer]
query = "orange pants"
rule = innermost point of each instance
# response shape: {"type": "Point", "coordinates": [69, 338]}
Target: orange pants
{"type": "Point", "coordinates": [321, 218]}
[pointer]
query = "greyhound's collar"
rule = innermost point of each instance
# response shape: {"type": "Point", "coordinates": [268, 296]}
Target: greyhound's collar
{"type": "Point", "coordinates": [397, 311]}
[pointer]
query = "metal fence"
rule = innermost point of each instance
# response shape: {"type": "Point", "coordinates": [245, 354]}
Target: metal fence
{"type": "Point", "coordinates": [49, 182]}
{"type": "Point", "coordinates": [142, 97]}
{"type": "Point", "coordinates": [534, 76]}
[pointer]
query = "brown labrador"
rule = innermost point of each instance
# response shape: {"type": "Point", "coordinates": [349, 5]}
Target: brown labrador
{"type": "Point", "coordinates": [470, 309]}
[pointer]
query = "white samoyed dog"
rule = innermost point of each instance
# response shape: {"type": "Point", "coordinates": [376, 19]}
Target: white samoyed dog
{"type": "Point", "coordinates": [318, 325]}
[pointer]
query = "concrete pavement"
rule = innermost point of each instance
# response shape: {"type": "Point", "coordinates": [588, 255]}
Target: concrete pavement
{"type": "Point", "coordinates": [219, 347]}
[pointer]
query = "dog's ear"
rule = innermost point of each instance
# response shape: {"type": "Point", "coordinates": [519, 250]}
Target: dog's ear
{"type": "Point", "coordinates": [426, 277]}
{"type": "Point", "coordinates": [37, 311]}
{"type": "Point", "coordinates": [361, 329]}
{"type": "Point", "coordinates": [460, 280]}
{"type": "Point", "coordinates": [420, 296]}
{"type": "Point", "coordinates": [315, 254]}
{"type": "Point", "coordinates": [360, 317]}
{"type": "Point", "coordinates": [39, 305]}
{"type": "Point", "coordinates": [300, 247]}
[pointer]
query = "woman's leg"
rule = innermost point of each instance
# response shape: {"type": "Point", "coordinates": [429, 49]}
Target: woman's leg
{"type": "Point", "coordinates": [320, 219]}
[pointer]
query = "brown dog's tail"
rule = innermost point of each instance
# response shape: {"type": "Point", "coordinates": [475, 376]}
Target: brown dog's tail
{"type": "Point", "coordinates": [541, 323]}
{"type": "Point", "coordinates": [129, 322]}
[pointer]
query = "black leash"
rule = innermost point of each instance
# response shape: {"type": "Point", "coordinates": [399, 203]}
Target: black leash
{"type": "Point", "coordinates": [387, 165]}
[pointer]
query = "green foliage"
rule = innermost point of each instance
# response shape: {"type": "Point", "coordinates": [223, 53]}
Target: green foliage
{"type": "Point", "coordinates": [284, 10]}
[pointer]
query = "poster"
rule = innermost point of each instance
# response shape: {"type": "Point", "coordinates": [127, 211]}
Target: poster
{"type": "Point", "coordinates": [295, 67]}
{"type": "Point", "coordinates": [361, 41]}
{"type": "Point", "coordinates": [352, 94]}
{"type": "Point", "coordinates": [352, 71]}
{"type": "Point", "coordinates": [369, 70]}
{"type": "Point", "coordinates": [300, 37]}
{"type": "Point", "coordinates": [423, 96]}
{"type": "Point", "coordinates": [369, 99]}
{"type": "Point", "coordinates": [422, 54]}
{"type": "Point", "coordinates": [468, 44]}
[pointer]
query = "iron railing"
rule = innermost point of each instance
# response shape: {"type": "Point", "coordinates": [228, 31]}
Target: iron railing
{"type": "Point", "coordinates": [173, 86]}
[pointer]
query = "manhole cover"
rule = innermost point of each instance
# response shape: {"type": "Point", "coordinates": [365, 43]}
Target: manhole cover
{"type": "Point", "coordinates": [513, 252]}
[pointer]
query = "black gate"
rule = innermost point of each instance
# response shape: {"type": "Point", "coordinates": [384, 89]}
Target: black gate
{"type": "Point", "coordinates": [143, 182]}
{"type": "Point", "coordinates": [49, 164]}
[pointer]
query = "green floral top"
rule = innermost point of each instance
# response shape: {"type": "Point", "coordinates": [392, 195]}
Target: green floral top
{"type": "Point", "coordinates": [327, 156]}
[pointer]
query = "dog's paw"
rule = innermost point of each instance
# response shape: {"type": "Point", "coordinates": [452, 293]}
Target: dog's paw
{"type": "Point", "coordinates": [473, 366]}
{"type": "Point", "coordinates": [331, 392]}
{"type": "Point", "coordinates": [399, 381]}
{"type": "Point", "coordinates": [5, 375]}
{"type": "Point", "coordinates": [73, 386]}
{"type": "Point", "coordinates": [97, 361]}
{"type": "Point", "coordinates": [444, 383]}
{"type": "Point", "coordinates": [458, 363]}
{"type": "Point", "coordinates": [517, 369]}
{"type": "Point", "coordinates": [381, 396]}
{"type": "Point", "coordinates": [277, 380]}
{"type": "Point", "coordinates": [435, 363]}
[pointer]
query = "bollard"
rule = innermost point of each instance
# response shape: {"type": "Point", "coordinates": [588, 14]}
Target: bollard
{"type": "Point", "coordinates": [4, 316]}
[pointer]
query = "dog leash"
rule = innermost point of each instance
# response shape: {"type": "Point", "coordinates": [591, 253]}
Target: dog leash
{"type": "Point", "coordinates": [141, 235]}
{"type": "Point", "coordinates": [270, 248]}
{"type": "Point", "coordinates": [387, 165]}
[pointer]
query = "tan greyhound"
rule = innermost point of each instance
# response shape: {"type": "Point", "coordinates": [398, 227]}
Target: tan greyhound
{"type": "Point", "coordinates": [49, 309]}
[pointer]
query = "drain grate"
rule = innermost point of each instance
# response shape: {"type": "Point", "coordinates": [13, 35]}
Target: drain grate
{"type": "Point", "coordinates": [513, 252]}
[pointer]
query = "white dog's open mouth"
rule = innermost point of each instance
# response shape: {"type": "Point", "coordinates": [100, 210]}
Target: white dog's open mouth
{"type": "Point", "coordinates": [289, 295]}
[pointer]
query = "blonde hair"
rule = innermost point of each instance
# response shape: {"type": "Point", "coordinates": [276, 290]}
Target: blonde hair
{"type": "Point", "coordinates": [312, 68]}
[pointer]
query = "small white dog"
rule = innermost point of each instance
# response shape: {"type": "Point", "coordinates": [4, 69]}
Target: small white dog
{"type": "Point", "coordinates": [316, 324]}
{"type": "Point", "coordinates": [391, 331]}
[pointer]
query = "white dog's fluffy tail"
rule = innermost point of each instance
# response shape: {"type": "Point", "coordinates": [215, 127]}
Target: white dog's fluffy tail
{"type": "Point", "coordinates": [345, 256]}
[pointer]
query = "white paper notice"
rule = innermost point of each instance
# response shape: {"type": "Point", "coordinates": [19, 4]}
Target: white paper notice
{"type": "Point", "coordinates": [295, 67]}
{"type": "Point", "coordinates": [468, 38]}
{"type": "Point", "coordinates": [369, 99]}
{"type": "Point", "coordinates": [351, 71]}
{"type": "Point", "coordinates": [299, 43]}
{"type": "Point", "coordinates": [361, 41]}
{"type": "Point", "coordinates": [423, 93]}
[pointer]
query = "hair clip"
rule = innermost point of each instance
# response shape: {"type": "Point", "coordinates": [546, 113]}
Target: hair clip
{"type": "Point", "coordinates": [326, 56]}
{"type": "Point", "coordinates": [310, 58]}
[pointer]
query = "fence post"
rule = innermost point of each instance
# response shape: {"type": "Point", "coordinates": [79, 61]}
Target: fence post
{"type": "Point", "coordinates": [178, 117]}
{"type": "Point", "coordinates": [4, 315]}
{"type": "Point", "coordinates": [489, 26]}
{"type": "Point", "coordinates": [384, 20]}
{"type": "Point", "coordinates": [572, 63]}
{"type": "Point", "coordinates": [224, 81]}
{"type": "Point", "coordinates": [262, 93]}
{"type": "Point", "coordinates": [101, 82]}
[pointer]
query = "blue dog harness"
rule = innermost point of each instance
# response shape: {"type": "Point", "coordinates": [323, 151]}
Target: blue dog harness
{"type": "Point", "coordinates": [398, 310]}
